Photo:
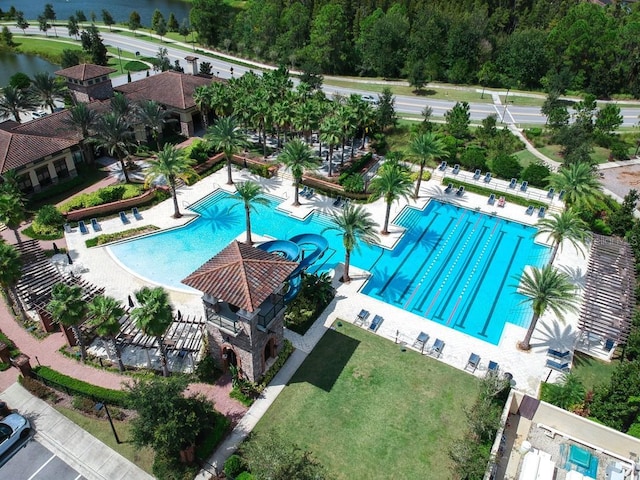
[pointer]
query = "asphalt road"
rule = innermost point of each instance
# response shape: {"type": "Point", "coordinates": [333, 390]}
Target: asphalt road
{"type": "Point", "coordinates": [35, 462]}
{"type": "Point", "coordinates": [518, 115]}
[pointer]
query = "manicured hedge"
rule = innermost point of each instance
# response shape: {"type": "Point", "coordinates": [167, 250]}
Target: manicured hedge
{"type": "Point", "coordinates": [112, 237]}
{"type": "Point", "coordinates": [74, 386]}
{"type": "Point", "coordinates": [102, 196]}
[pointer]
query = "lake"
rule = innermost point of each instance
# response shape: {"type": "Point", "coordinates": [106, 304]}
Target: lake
{"type": "Point", "coordinates": [11, 63]}
{"type": "Point", "coordinates": [119, 9]}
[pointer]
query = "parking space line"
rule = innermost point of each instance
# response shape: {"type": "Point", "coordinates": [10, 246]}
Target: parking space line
{"type": "Point", "coordinates": [79, 476]}
{"type": "Point", "coordinates": [42, 466]}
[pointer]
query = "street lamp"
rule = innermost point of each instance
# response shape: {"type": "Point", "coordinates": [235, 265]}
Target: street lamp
{"type": "Point", "coordinates": [120, 58]}
{"type": "Point", "coordinates": [506, 104]}
{"type": "Point", "coordinates": [99, 406]}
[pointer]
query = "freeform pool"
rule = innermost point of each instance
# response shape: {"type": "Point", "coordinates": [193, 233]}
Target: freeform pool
{"type": "Point", "coordinates": [453, 266]}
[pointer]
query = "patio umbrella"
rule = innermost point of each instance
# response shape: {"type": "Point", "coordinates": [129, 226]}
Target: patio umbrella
{"type": "Point", "coordinates": [56, 250]}
{"type": "Point", "coordinates": [69, 259]}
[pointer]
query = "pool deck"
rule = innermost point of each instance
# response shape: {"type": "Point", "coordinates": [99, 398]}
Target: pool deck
{"type": "Point", "coordinates": [528, 369]}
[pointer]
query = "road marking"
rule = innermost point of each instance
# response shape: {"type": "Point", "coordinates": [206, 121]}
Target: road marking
{"type": "Point", "coordinates": [43, 465]}
{"type": "Point", "coordinates": [78, 477]}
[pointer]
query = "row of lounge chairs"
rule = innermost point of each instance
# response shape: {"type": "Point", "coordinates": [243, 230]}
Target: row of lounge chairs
{"type": "Point", "coordinates": [450, 188]}
{"type": "Point", "coordinates": [134, 212]}
{"type": "Point", "coordinates": [307, 192]}
{"type": "Point", "coordinates": [541, 212]}
{"type": "Point", "coordinates": [492, 200]}
{"type": "Point", "coordinates": [341, 202]}
{"type": "Point", "coordinates": [363, 319]}
{"type": "Point", "coordinates": [95, 225]}
{"type": "Point", "coordinates": [560, 360]}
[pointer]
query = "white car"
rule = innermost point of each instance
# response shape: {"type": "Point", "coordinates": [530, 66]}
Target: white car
{"type": "Point", "coordinates": [14, 433]}
{"type": "Point", "coordinates": [369, 98]}
{"type": "Point", "coordinates": [39, 114]}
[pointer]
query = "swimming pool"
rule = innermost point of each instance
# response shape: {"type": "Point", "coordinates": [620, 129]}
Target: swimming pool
{"type": "Point", "coordinates": [453, 266]}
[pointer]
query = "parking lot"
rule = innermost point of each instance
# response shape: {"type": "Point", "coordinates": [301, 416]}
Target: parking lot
{"type": "Point", "coordinates": [37, 462]}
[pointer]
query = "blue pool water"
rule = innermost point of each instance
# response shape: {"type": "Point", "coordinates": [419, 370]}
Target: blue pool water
{"type": "Point", "coordinates": [453, 266]}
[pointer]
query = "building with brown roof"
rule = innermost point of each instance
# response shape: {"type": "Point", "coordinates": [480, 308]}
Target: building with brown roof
{"type": "Point", "coordinates": [88, 82]}
{"type": "Point", "coordinates": [244, 306]}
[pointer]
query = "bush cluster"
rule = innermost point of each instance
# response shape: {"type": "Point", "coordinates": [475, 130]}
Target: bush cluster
{"type": "Point", "coordinates": [37, 388]}
{"type": "Point", "coordinates": [315, 294]}
{"type": "Point", "coordinates": [48, 221]}
{"type": "Point", "coordinates": [112, 237]}
{"type": "Point", "coordinates": [102, 196]}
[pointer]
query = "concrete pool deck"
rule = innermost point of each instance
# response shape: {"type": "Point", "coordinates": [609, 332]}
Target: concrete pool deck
{"type": "Point", "coordinates": [528, 369]}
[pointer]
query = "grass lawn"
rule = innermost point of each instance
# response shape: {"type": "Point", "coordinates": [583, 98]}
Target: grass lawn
{"type": "Point", "coordinates": [592, 371]}
{"type": "Point", "coordinates": [525, 157]}
{"type": "Point", "coordinates": [142, 457]}
{"type": "Point", "coordinates": [368, 410]}
{"type": "Point", "coordinates": [50, 48]}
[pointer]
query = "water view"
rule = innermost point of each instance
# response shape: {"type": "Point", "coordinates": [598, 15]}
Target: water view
{"type": "Point", "coordinates": [11, 63]}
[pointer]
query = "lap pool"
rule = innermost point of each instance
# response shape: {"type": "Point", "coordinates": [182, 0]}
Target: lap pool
{"type": "Point", "coordinates": [454, 266]}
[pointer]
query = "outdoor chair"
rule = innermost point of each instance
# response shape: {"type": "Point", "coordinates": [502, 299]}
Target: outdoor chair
{"type": "Point", "coordinates": [67, 228]}
{"type": "Point", "coordinates": [492, 199]}
{"type": "Point", "coordinates": [541, 212]}
{"type": "Point", "coordinates": [609, 344]}
{"type": "Point", "coordinates": [346, 203]}
{"type": "Point", "coordinates": [561, 367]}
{"type": "Point", "coordinates": [442, 166]}
{"type": "Point", "coordinates": [375, 323]}
{"type": "Point", "coordinates": [361, 318]}
{"type": "Point", "coordinates": [304, 191]}
{"type": "Point", "coordinates": [523, 187]}
{"type": "Point", "coordinates": [123, 218]}
{"type": "Point", "coordinates": [337, 202]}
{"type": "Point", "coordinates": [501, 202]}
{"type": "Point", "coordinates": [95, 225]}
{"type": "Point", "coordinates": [493, 368]}
{"type": "Point", "coordinates": [421, 341]}
{"type": "Point", "coordinates": [437, 348]}
{"type": "Point", "coordinates": [449, 188]}
{"type": "Point", "coordinates": [476, 175]}
{"type": "Point", "coordinates": [311, 193]}
{"type": "Point", "coordinates": [561, 195]}
{"type": "Point", "coordinates": [456, 169]}
{"type": "Point", "coordinates": [513, 182]}
{"type": "Point", "coordinates": [460, 191]}
{"type": "Point", "coordinates": [473, 362]}
{"type": "Point", "coordinates": [136, 214]}
{"type": "Point", "coordinates": [529, 210]}
{"type": "Point", "coordinates": [551, 193]}
{"type": "Point", "coordinates": [487, 177]}
{"type": "Point", "coordinates": [83, 228]}
{"type": "Point", "coordinates": [557, 353]}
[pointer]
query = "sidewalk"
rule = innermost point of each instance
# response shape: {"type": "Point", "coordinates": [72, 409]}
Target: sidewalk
{"type": "Point", "coordinates": [86, 454]}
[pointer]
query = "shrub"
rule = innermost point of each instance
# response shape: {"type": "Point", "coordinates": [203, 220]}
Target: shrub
{"type": "Point", "coordinates": [619, 150]}
{"type": "Point", "coordinates": [102, 196]}
{"type": "Point", "coordinates": [426, 176]}
{"type": "Point", "coordinates": [474, 157]}
{"type": "Point", "coordinates": [233, 466]}
{"type": "Point", "coordinates": [111, 194]}
{"type": "Point", "coordinates": [56, 190]}
{"type": "Point", "coordinates": [112, 237]}
{"type": "Point", "coordinates": [536, 174]}
{"type": "Point", "coordinates": [166, 467]}
{"type": "Point", "coordinates": [634, 431]}
{"type": "Point", "coordinates": [206, 370]}
{"type": "Point", "coordinates": [506, 166]}
{"type": "Point", "coordinates": [245, 476]}
{"type": "Point", "coordinates": [37, 388]}
{"type": "Point", "coordinates": [190, 178]}
{"type": "Point", "coordinates": [533, 133]}
{"type": "Point", "coordinates": [198, 151]}
{"type": "Point", "coordinates": [4, 366]}
{"type": "Point", "coordinates": [283, 356]}
{"type": "Point", "coordinates": [353, 183]}
{"type": "Point", "coordinates": [48, 221]}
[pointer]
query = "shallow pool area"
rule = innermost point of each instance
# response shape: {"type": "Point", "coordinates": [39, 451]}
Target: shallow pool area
{"type": "Point", "coordinates": [454, 266]}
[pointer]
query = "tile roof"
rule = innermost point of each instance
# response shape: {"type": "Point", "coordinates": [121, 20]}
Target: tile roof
{"type": "Point", "coordinates": [172, 89]}
{"type": "Point", "coordinates": [241, 275]}
{"type": "Point", "coordinates": [85, 71]}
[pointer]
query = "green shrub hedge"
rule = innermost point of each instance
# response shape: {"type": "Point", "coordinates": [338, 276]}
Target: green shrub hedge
{"type": "Point", "coordinates": [56, 190]}
{"type": "Point", "coordinates": [74, 386]}
{"type": "Point", "coordinates": [112, 237]}
{"type": "Point", "coordinates": [102, 196]}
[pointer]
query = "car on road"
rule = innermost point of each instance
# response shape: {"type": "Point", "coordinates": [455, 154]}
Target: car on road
{"type": "Point", "coordinates": [369, 98]}
{"type": "Point", "coordinates": [14, 433]}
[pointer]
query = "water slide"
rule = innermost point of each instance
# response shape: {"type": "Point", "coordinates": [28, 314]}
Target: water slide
{"type": "Point", "coordinates": [305, 249]}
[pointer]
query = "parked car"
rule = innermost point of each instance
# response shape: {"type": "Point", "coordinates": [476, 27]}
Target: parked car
{"type": "Point", "coordinates": [14, 433]}
{"type": "Point", "coordinates": [39, 114]}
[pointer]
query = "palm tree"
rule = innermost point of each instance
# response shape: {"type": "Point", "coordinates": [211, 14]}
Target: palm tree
{"type": "Point", "coordinates": [69, 308]}
{"type": "Point", "coordinates": [355, 224]}
{"type": "Point", "coordinates": [10, 273]}
{"type": "Point", "coordinates": [545, 288]}
{"type": "Point", "coordinates": [12, 210]}
{"type": "Point", "coordinates": [392, 183]}
{"type": "Point", "coordinates": [172, 164]}
{"type": "Point", "coordinates": [330, 133]}
{"type": "Point", "coordinates": [297, 157]}
{"type": "Point", "coordinates": [249, 194]}
{"type": "Point", "coordinates": [113, 134]}
{"type": "Point", "coordinates": [226, 136]}
{"type": "Point", "coordinates": [569, 392]}
{"type": "Point", "coordinates": [426, 146]}
{"type": "Point", "coordinates": [106, 313]}
{"type": "Point", "coordinates": [153, 317]}
{"type": "Point", "coordinates": [202, 99]}
{"type": "Point", "coordinates": [14, 101]}
{"type": "Point", "coordinates": [564, 226]}
{"type": "Point", "coordinates": [83, 119]}
{"type": "Point", "coordinates": [122, 107]}
{"type": "Point", "coordinates": [47, 89]}
{"type": "Point", "coordinates": [155, 117]}
{"type": "Point", "coordinates": [579, 182]}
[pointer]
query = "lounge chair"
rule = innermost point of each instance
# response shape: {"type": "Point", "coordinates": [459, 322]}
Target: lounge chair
{"type": "Point", "coordinates": [561, 367]}
{"type": "Point", "coordinates": [123, 218]}
{"type": "Point", "coordinates": [492, 199]}
{"type": "Point", "coordinates": [551, 193]}
{"type": "Point", "coordinates": [561, 195]}
{"type": "Point", "coordinates": [473, 362]}
{"type": "Point", "coordinates": [361, 318]}
{"type": "Point", "coordinates": [421, 341]}
{"type": "Point", "coordinates": [449, 188]}
{"type": "Point", "coordinates": [346, 203]}
{"type": "Point", "coordinates": [442, 166]}
{"type": "Point", "coordinates": [338, 201]}
{"type": "Point", "coordinates": [476, 175]}
{"type": "Point", "coordinates": [541, 212]}
{"type": "Point", "coordinates": [529, 210]}
{"type": "Point", "coordinates": [513, 182]}
{"type": "Point", "coordinates": [558, 354]}
{"type": "Point", "coordinates": [460, 191]}
{"type": "Point", "coordinates": [95, 225]}
{"type": "Point", "coordinates": [437, 348]}
{"type": "Point", "coordinates": [609, 344]}
{"type": "Point", "coordinates": [487, 177]}
{"type": "Point", "coordinates": [304, 191]}
{"type": "Point", "coordinates": [67, 228]}
{"type": "Point", "coordinates": [502, 201]}
{"type": "Point", "coordinates": [493, 368]}
{"type": "Point", "coordinates": [311, 193]}
{"type": "Point", "coordinates": [375, 323]}
{"type": "Point", "coordinates": [136, 214]}
{"type": "Point", "coordinates": [83, 228]}
{"type": "Point", "coordinates": [456, 169]}
{"type": "Point", "coordinates": [523, 187]}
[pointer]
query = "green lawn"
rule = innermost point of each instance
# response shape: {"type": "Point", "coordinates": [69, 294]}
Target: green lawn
{"type": "Point", "coordinates": [142, 457]}
{"type": "Point", "coordinates": [368, 410]}
{"type": "Point", "coordinates": [592, 371]}
{"type": "Point", "coordinates": [525, 157]}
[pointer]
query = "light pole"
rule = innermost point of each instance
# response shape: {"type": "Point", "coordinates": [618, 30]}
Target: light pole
{"type": "Point", "coordinates": [120, 58]}
{"type": "Point", "coordinates": [99, 406]}
{"type": "Point", "coordinates": [506, 104]}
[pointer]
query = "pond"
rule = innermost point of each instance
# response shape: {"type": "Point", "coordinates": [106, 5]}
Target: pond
{"type": "Point", "coordinates": [119, 9]}
{"type": "Point", "coordinates": [11, 63]}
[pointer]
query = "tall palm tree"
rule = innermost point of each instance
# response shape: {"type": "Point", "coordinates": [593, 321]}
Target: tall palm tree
{"type": "Point", "coordinates": [14, 101]}
{"type": "Point", "coordinates": [305, 118]}
{"type": "Point", "coordinates": [10, 273]}
{"type": "Point", "coordinates": [545, 288]}
{"type": "Point", "coordinates": [392, 183]}
{"type": "Point", "coordinates": [297, 157]}
{"type": "Point", "coordinates": [226, 136]}
{"type": "Point", "coordinates": [356, 225]}
{"type": "Point", "coordinates": [12, 210]}
{"type": "Point", "coordinates": [153, 116]}
{"type": "Point", "coordinates": [426, 147]}
{"type": "Point", "coordinates": [172, 164]}
{"type": "Point", "coordinates": [346, 117]}
{"type": "Point", "coordinates": [202, 99]}
{"type": "Point", "coordinates": [580, 183]}
{"type": "Point", "coordinates": [69, 308]}
{"type": "Point", "coordinates": [113, 134]}
{"type": "Point", "coordinates": [106, 313]}
{"type": "Point", "coordinates": [154, 317]}
{"type": "Point", "coordinates": [249, 194]}
{"type": "Point", "coordinates": [122, 107]}
{"type": "Point", "coordinates": [330, 133]}
{"type": "Point", "coordinates": [83, 119]}
{"type": "Point", "coordinates": [46, 89]}
{"type": "Point", "coordinates": [566, 225]}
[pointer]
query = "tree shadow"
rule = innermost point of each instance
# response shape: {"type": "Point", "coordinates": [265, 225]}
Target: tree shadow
{"type": "Point", "coordinates": [556, 335]}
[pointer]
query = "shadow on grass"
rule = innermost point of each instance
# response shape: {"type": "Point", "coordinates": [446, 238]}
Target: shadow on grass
{"type": "Point", "coordinates": [325, 363]}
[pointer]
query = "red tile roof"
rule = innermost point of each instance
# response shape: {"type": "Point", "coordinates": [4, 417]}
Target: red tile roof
{"type": "Point", "coordinates": [85, 71]}
{"type": "Point", "coordinates": [241, 275]}
{"type": "Point", "coordinates": [172, 89]}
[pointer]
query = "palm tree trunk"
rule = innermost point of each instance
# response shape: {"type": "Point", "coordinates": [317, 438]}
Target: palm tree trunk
{"type": "Point", "coordinates": [526, 343]}
{"type": "Point", "coordinates": [364, 138]}
{"type": "Point", "coordinates": [556, 245]}
{"type": "Point", "coordinates": [353, 142]}
{"type": "Point", "coordinates": [417, 192]}
{"type": "Point", "coordinates": [347, 261]}
{"type": "Point", "coordinates": [17, 302]}
{"type": "Point", "coordinates": [124, 169]}
{"type": "Point", "coordinates": [247, 215]}
{"type": "Point", "coordinates": [17, 235]}
{"type": "Point", "coordinates": [296, 198]}
{"type": "Point", "coordinates": [330, 158]}
{"type": "Point", "coordinates": [229, 177]}
{"type": "Point", "coordinates": [118, 354]}
{"type": "Point", "coordinates": [342, 154]}
{"type": "Point", "coordinates": [78, 333]}
{"type": "Point", "coordinates": [385, 229]}
{"type": "Point", "coordinates": [163, 357]}
{"type": "Point", "coordinates": [174, 194]}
